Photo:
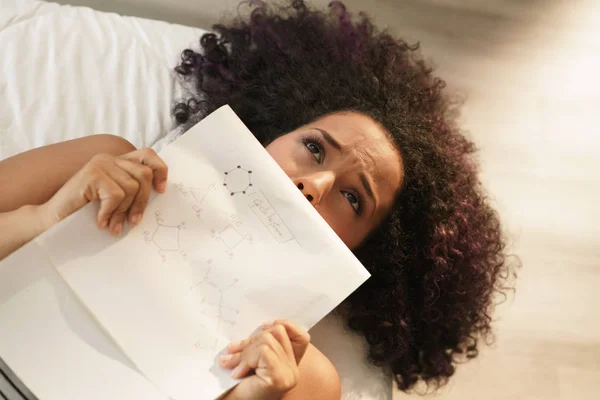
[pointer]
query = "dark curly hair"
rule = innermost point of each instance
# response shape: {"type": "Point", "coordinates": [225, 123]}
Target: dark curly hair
{"type": "Point", "coordinates": [438, 259]}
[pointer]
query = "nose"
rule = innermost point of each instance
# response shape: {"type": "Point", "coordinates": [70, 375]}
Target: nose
{"type": "Point", "coordinates": [315, 187]}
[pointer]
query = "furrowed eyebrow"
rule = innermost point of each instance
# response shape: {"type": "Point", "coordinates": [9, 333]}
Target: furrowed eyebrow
{"type": "Point", "coordinates": [363, 178]}
{"type": "Point", "coordinates": [330, 139]}
{"type": "Point", "coordinates": [367, 185]}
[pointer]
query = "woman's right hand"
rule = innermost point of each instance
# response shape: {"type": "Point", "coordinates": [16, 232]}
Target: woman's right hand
{"type": "Point", "coordinates": [268, 361]}
{"type": "Point", "coordinates": [122, 185]}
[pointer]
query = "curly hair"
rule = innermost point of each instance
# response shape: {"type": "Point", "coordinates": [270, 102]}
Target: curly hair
{"type": "Point", "coordinates": [438, 260]}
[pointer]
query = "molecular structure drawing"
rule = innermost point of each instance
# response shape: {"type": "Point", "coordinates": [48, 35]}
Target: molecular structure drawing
{"type": "Point", "coordinates": [198, 195]}
{"type": "Point", "coordinates": [165, 237]}
{"type": "Point", "coordinates": [212, 290]}
{"type": "Point", "coordinates": [230, 237]}
{"type": "Point", "coordinates": [238, 180]}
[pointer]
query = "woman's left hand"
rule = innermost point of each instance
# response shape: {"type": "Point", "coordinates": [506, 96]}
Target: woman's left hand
{"type": "Point", "coordinates": [273, 355]}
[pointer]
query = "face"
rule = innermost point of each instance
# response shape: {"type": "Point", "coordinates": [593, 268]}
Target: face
{"type": "Point", "coordinates": [347, 167]}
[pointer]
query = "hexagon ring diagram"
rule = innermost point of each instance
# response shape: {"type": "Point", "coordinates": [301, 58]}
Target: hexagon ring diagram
{"type": "Point", "coordinates": [238, 180]}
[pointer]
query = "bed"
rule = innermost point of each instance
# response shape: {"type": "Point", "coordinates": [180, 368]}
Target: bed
{"type": "Point", "coordinates": [72, 71]}
{"type": "Point", "coordinates": [68, 72]}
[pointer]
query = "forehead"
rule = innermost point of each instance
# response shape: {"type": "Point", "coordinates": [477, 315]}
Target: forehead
{"type": "Point", "coordinates": [359, 134]}
{"type": "Point", "coordinates": [353, 129]}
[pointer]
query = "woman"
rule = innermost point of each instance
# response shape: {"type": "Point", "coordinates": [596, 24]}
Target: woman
{"type": "Point", "coordinates": [365, 131]}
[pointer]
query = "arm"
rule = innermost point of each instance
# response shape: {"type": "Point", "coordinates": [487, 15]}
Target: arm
{"type": "Point", "coordinates": [318, 380]}
{"type": "Point", "coordinates": [43, 186]}
{"type": "Point", "coordinates": [285, 366]}
{"type": "Point", "coordinates": [19, 227]}
{"type": "Point", "coordinates": [34, 176]}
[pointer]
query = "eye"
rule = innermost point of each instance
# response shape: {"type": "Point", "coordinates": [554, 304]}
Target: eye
{"type": "Point", "coordinates": [315, 147]}
{"type": "Point", "coordinates": [354, 201]}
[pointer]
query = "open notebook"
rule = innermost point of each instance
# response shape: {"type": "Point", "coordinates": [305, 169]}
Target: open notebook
{"type": "Point", "coordinates": [231, 244]}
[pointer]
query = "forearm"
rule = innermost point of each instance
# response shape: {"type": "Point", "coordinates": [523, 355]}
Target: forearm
{"type": "Point", "coordinates": [298, 393]}
{"type": "Point", "coordinates": [318, 380]}
{"type": "Point", "coordinates": [34, 176]}
{"type": "Point", "coordinates": [230, 395]}
{"type": "Point", "coordinates": [19, 227]}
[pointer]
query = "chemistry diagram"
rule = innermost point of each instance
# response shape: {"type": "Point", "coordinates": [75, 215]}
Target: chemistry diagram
{"type": "Point", "coordinates": [197, 196]}
{"type": "Point", "coordinates": [165, 238]}
{"type": "Point", "coordinates": [212, 291]}
{"type": "Point", "coordinates": [214, 219]}
{"type": "Point", "coordinates": [237, 180]}
{"type": "Point", "coordinates": [230, 237]}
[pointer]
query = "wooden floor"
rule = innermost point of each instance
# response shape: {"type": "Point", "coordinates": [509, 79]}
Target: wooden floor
{"type": "Point", "coordinates": [529, 72]}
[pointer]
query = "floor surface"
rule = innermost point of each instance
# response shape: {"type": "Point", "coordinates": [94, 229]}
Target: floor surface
{"type": "Point", "coordinates": [528, 72]}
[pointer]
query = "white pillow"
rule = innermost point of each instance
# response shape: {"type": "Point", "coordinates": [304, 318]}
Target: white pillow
{"type": "Point", "coordinates": [68, 72]}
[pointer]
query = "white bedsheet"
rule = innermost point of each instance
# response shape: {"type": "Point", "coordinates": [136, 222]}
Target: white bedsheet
{"type": "Point", "coordinates": [68, 72]}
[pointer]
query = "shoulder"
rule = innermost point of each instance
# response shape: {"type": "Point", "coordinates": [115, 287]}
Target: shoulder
{"type": "Point", "coordinates": [319, 380]}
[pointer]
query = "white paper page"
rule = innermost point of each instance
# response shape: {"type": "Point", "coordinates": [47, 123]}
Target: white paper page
{"type": "Point", "coordinates": [231, 244]}
{"type": "Point", "coordinates": [50, 341]}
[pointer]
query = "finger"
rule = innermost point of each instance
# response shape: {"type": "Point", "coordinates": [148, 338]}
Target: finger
{"type": "Point", "coordinates": [299, 338]}
{"type": "Point", "coordinates": [253, 349]}
{"type": "Point", "coordinates": [143, 175]}
{"type": "Point", "coordinates": [230, 361]}
{"type": "Point", "coordinates": [239, 346]}
{"type": "Point", "coordinates": [149, 158]}
{"type": "Point", "coordinates": [241, 370]}
{"type": "Point", "coordinates": [270, 367]}
{"type": "Point", "coordinates": [267, 359]}
{"type": "Point", "coordinates": [130, 187]}
{"type": "Point", "coordinates": [110, 195]}
{"type": "Point", "coordinates": [254, 356]}
{"type": "Point", "coordinates": [280, 334]}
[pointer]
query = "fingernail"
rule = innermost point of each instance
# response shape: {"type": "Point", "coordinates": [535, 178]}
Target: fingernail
{"type": "Point", "coordinates": [103, 224]}
{"type": "Point", "coordinates": [226, 357]}
{"type": "Point", "coordinates": [162, 186]}
{"type": "Point", "coordinates": [119, 229]}
{"type": "Point", "coordinates": [136, 219]}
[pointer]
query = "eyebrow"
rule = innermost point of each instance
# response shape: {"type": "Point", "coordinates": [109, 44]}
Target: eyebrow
{"type": "Point", "coordinates": [330, 139]}
{"type": "Point", "coordinates": [363, 178]}
{"type": "Point", "coordinates": [368, 188]}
